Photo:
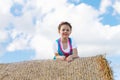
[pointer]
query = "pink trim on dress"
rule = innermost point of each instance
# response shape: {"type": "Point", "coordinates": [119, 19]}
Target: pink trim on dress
{"type": "Point", "coordinates": [65, 53]}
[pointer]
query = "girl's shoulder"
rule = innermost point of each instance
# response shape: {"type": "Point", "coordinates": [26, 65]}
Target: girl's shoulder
{"type": "Point", "coordinates": [73, 42]}
{"type": "Point", "coordinates": [72, 39]}
{"type": "Point", "coordinates": [57, 40]}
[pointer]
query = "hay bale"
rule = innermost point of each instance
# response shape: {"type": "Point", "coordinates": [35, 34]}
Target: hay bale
{"type": "Point", "coordinates": [85, 68]}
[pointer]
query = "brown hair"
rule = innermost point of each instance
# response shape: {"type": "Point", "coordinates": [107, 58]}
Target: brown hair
{"type": "Point", "coordinates": [64, 23]}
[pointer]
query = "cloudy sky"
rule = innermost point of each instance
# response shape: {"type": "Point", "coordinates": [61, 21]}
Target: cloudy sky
{"type": "Point", "coordinates": [29, 27]}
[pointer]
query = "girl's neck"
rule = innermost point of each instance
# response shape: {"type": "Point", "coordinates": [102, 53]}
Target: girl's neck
{"type": "Point", "coordinates": [64, 40]}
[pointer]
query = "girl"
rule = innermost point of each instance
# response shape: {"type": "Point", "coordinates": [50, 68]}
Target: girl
{"type": "Point", "coordinates": [65, 48]}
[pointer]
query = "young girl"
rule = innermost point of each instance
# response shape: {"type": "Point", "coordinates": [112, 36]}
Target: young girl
{"type": "Point", "coordinates": [65, 48]}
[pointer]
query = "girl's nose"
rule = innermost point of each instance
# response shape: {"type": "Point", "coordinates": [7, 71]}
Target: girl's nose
{"type": "Point", "coordinates": [65, 30]}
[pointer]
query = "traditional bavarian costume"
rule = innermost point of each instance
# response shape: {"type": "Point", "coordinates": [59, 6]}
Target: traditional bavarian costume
{"type": "Point", "coordinates": [58, 48]}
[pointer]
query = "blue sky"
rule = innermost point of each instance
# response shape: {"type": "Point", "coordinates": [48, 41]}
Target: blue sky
{"type": "Point", "coordinates": [29, 27]}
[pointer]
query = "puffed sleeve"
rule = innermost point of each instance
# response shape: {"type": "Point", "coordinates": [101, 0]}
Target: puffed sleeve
{"type": "Point", "coordinates": [55, 47]}
{"type": "Point", "coordinates": [74, 43]}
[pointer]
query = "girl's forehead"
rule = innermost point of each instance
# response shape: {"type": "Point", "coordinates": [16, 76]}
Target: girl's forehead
{"type": "Point", "coordinates": [65, 27]}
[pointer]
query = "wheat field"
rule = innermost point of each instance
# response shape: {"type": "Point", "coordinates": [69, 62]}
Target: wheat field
{"type": "Point", "coordinates": [84, 68]}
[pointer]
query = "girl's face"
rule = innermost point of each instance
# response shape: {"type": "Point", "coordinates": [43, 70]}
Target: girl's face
{"type": "Point", "coordinates": [65, 31]}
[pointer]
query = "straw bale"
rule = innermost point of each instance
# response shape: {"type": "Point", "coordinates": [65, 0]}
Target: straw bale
{"type": "Point", "coordinates": [84, 68]}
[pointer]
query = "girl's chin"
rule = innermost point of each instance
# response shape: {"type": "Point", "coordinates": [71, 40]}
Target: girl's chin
{"type": "Point", "coordinates": [65, 37]}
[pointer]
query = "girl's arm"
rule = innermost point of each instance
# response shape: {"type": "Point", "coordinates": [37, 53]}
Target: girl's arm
{"type": "Point", "coordinates": [75, 53]}
{"type": "Point", "coordinates": [73, 56]}
{"type": "Point", "coordinates": [59, 57]}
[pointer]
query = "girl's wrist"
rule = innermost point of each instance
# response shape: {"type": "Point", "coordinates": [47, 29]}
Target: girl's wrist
{"type": "Point", "coordinates": [70, 56]}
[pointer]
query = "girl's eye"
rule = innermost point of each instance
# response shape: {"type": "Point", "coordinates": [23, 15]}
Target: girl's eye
{"type": "Point", "coordinates": [67, 29]}
{"type": "Point", "coordinates": [63, 30]}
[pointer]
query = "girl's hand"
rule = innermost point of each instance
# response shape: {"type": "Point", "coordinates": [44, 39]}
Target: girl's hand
{"type": "Point", "coordinates": [61, 58]}
{"type": "Point", "coordinates": [69, 58]}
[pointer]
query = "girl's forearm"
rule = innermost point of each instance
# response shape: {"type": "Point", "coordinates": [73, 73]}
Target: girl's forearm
{"type": "Point", "coordinates": [75, 53]}
{"type": "Point", "coordinates": [75, 56]}
{"type": "Point", "coordinates": [60, 57]}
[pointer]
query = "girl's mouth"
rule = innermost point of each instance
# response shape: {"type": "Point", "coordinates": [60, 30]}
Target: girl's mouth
{"type": "Point", "coordinates": [65, 34]}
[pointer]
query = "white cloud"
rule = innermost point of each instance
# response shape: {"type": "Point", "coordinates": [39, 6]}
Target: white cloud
{"type": "Point", "coordinates": [1, 50]}
{"type": "Point", "coordinates": [20, 41]}
{"type": "Point", "coordinates": [5, 6]}
{"type": "Point", "coordinates": [19, 1]}
{"type": "Point", "coordinates": [3, 36]}
{"type": "Point", "coordinates": [116, 6]}
{"type": "Point", "coordinates": [17, 44]}
{"type": "Point", "coordinates": [42, 47]}
{"type": "Point", "coordinates": [24, 23]}
{"type": "Point", "coordinates": [104, 5]}
{"type": "Point", "coordinates": [47, 5]}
